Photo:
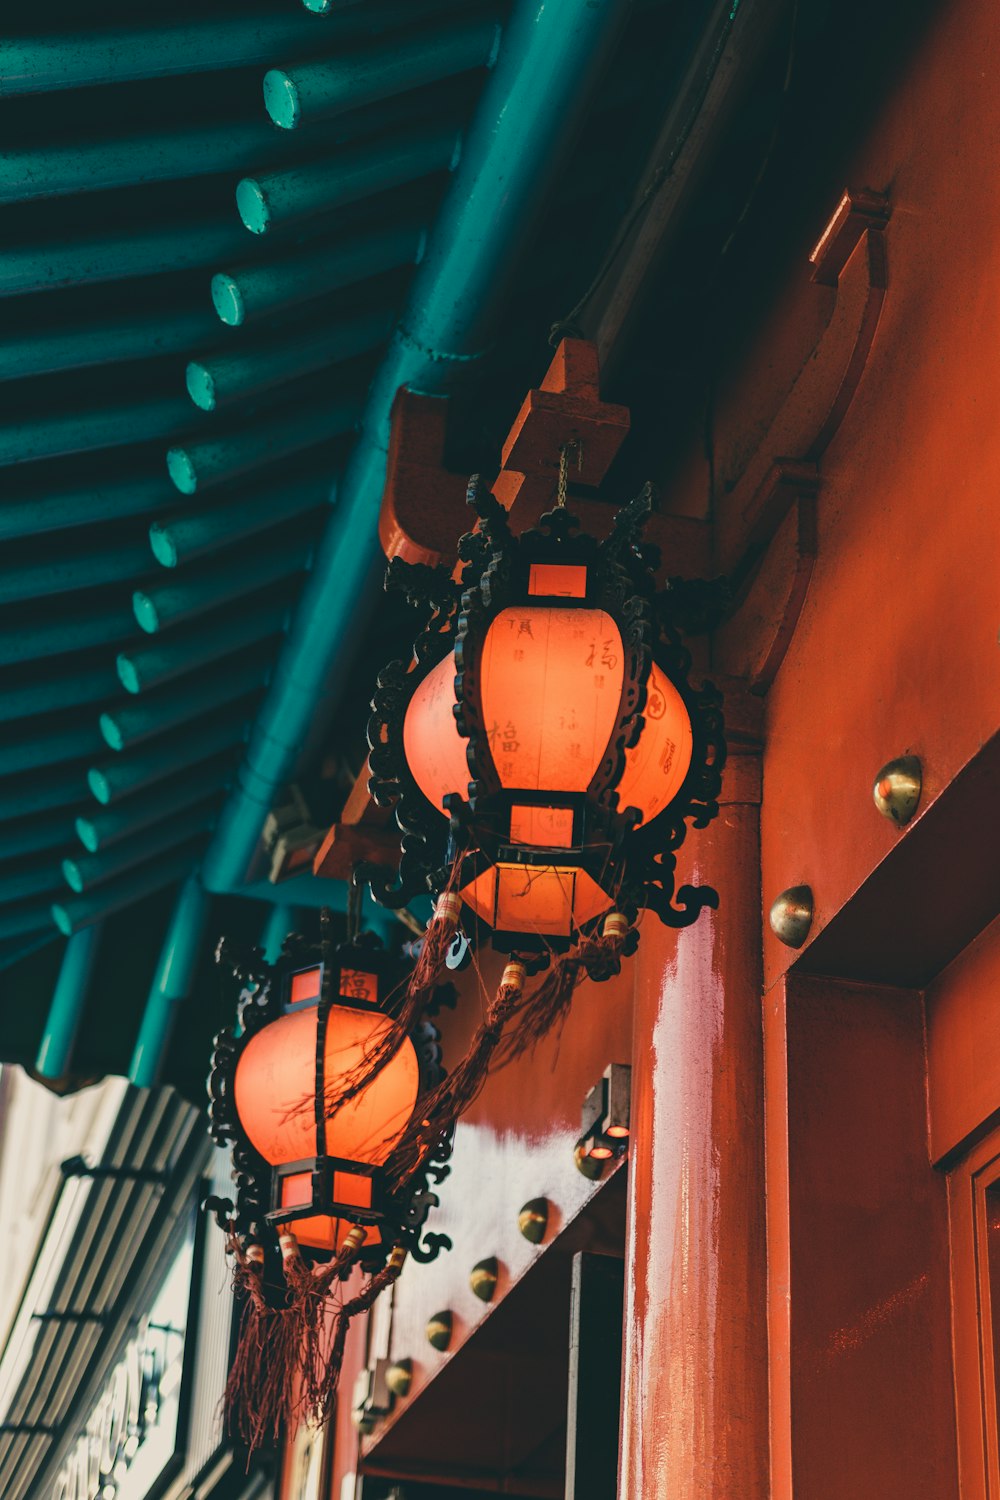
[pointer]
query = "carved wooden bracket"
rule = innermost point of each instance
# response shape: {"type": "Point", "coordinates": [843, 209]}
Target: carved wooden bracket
{"type": "Point", "coordinates": [364, 834]}
{"type": "Point", "coordinates": [567, 408]}
{"type": "Point", "coordinates": [753, 641]}
{"type": "Point", "coordinates": [766, 536]}
{"type": "Point", "coordinates": [424, 511]}
{"type": "Point", "coordinates": [423, 505]}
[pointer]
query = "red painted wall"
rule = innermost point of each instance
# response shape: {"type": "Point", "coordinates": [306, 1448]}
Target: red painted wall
{"type": "Point", "coordinates": [963, 1045]}
{"type": "Point", "coordinates": [896, 650]}
{"type": "Point", "coordinates": [860, 1312]}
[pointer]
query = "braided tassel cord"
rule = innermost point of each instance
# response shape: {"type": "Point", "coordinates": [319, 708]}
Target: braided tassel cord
{"type": "Point", "coordinates": [278, 1367]}
{"type": "Point", "coordinates": [310, 1290]}
{"type": "Point", "coordinates": [259, 1381]}
{"type": "Point", "coordinates": [548, 1006]}
{"type": "Point", "coordinates": [440, 1109]}
{"type": "Point", "coordinates": [530, 1019]}
{"type": "Point", "coordinates": [323, 1400]}
{"type": "Point", "coordinates": [419, 991]}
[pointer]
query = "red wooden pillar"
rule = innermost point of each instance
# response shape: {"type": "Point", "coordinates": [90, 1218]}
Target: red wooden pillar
{"type": "Point", "coordinates": [694, 1409]}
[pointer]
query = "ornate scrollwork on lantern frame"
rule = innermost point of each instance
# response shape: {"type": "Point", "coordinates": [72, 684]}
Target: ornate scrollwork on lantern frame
{"type": "Point", "coordinates": [262, 1000]}
{"type": "Point", "coordinates": [639, 860]}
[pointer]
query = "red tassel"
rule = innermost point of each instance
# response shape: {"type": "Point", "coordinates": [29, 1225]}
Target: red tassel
{"type": "Point", "coordinates": [444, 1105]}
{"type": "Point", "coordinates": [419, 991]}
{"type": "Point", "coordinates": [257, 1390]}
{"type": "Point", "coordinates": [548, 1006]}
{"type": "Point", "coordinates": [279, 1367]}
{"type": "Point", "coordinates": [533, 1018]}
{"type": "Point", "coordinates": [322, 1407]}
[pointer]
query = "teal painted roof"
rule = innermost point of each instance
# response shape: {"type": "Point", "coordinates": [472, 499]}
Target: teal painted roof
{"type": "Point", "coordinates": [141, 603]}
{"type": "Point", "coordinates": [195, 300]}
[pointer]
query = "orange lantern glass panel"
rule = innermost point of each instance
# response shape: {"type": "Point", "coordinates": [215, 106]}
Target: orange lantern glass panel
{"type": "Point", "coordinates": [318, 1231]}
{"type": "Point", "coordinates": [435, 751]}
{"type": "Point", "coordinates": [275, 1085]}
{"type": "Point", "coordinates": [551, 685]}
{"type": "Point", "coordinates": [545, 827]}
{"type": "Point", "coordinates": [550, 900]}
{"type": "Point", "coordinates": [656, 767]}
{"type": "Point", "coordinates": [558, 580]}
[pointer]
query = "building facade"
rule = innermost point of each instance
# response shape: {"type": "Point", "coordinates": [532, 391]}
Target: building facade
{"type": "Point", "coordinates": [778, 225]}
{"type": "Point", "coordinates": [117, 1304]}
{"type": "Point", "coordinates": [804, 1243]}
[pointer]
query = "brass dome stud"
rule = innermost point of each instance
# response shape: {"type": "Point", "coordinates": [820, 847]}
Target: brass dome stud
{"type": "Point", "coordinates": [439, 1329]}
{"type": "Point", "coordinates": [399, 1375]}
{"type": "Point", "coordinates": [590, 1166]}
{"type": "Point", "coordinates": [791, 915]}
{"type": "Point", "coordinates": [896, 789]}
{"type": "Point", "coordinates": [533, 1220]}
{"type": "Point", "coordinates": [483, 1278]}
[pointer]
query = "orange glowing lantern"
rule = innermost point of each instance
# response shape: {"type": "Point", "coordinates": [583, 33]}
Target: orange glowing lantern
{"type": "Point", "coordinates": [546, 739]}
{"type": "Point", "coordinates": [306, 1159]}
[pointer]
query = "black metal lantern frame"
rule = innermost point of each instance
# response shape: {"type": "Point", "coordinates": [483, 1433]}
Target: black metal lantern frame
{"type": "Point", "coordinates": [634, 861]}
{"type": "Point", "coordinates": [267, 992]}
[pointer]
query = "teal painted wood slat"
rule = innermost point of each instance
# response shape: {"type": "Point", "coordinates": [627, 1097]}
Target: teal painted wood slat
{"type": "Point", "coordinates": [75, 912]}
{"type": "Point", "coordinates": [82, 872]}
{"type": "Point", "coordinates": [269, 200]}
{"type": "Point", "coordinates": [48, 747]}
{"type": "Point", "coordinates": [99, 830]}
{"type": "Point", "coordinates": [35, 835]}
{"type": "Point", "coordinates": [148, 666]}
{"type": "Point", "coordinates": [53, 345]}
{"type": "Point", "coordinates": [25, 918]}
{"type": "Point", "coordinates": [122, 776]}
{"type": "Point", "coordinates": [68, 1001]}
{"type": "Point", "coordinates": [131, 158]}
{"type": "Point", "coordinates": [68, 568]}
{"type": "Point", "coordinates": [23, 795]}
{"type": "Point", "coordinates": [48, 694]}
{"type": "Point", "coordinates": [182, 703]}
{"type": "Point", "coordinates": [91, 256]}
{"type": "Point", "coordinates": [316, 90]}
{"type": "Point", "coordinates": [43, 505]}
{"type": "Point", "coordinates": [250, 292]}
{"type": "Point", "coordinates": [184, 538]}
{"type": "Point", "coordinates": [83, 428]}
{"type": "Point", "coordinates": [229, 375]}
{"type": "Point", "coordinates": [80, 630]}
{"type": "Point", "coordinates": [200, 589]}
{"type": "Point", "coordinates": [225, 455]}
{"type": "Point", "coordinates": [69, 60]}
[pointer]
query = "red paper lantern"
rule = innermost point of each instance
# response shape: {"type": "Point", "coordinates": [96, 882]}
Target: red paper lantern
{"type": "Point", "coordinates": [312, 1125]}
{"type": "Point", "coordinates": [546, 735]}
{"type": "Point", "coordinates": [277, 1071]}
{"type": "Point", "coordinates": [305, 1157]}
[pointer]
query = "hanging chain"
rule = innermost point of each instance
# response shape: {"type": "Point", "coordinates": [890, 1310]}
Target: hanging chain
{"type": "Point", "coordinates": [354, 894]}
{"type": "Point", "coordinates": [575, 447]}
